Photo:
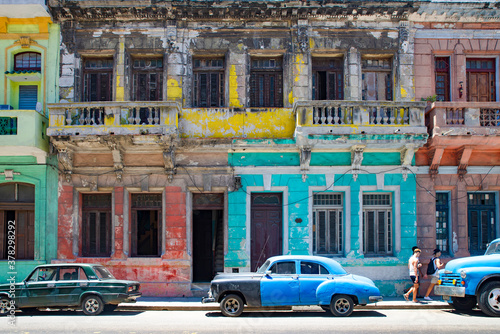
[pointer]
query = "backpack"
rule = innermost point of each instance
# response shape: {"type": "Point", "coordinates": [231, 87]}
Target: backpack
{"type": "Point", "coordinates": [430, 267]}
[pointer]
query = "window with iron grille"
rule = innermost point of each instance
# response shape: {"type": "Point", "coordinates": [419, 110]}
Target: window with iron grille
{"type": "Point", "coordinates": [327, 224]}
{"type": "Point", "coordinates": [328, 79]}
{"type": "Point", "coordinates": [146, 224]}
{"type": "Point", "coordinates": [208, 82]}
{"type": "Point", "coordinates": [8, 126]}
{"type": "Point", "coordinates": [377, 79]}
{"type": "Point", "coordinates": [377, 224]}
{"type": "Point", "coordinates": [442, 70]}
{"type": "Point", "coordinates": [96, 225]}
{"type": "Point", "coordinates": [97, 79]}
{"type": "Point", "coordinates": [480, 80]}
{"type": "Point", "coordinates": [27, 61]}
{"type": "Point", "coordinates": [442, 221]}
{"type": "Point", "coordinates": [266, 82]}
{"type": "Point", "coordinates": [482, 223]}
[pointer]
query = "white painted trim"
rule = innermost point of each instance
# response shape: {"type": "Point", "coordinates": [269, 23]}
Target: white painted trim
{"type": "Point", "coordinates": [457, 34]}
{"type": "Point", "coordinates": [325, 170]}
{"type": "Point", "coordinates": [396, 215]}
{"type": "Point", "coordinates": [346, 214]}
{"type": "Point", "coordinates": [248, 222]}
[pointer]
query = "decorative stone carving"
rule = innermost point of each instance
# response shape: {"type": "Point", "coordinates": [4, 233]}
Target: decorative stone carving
{"type": "Point", "coordinates": [169, 162]}
{"type": "Point", "coordinates": [356, 159]}
{"type": "Point", "coordinates": [303, 38]}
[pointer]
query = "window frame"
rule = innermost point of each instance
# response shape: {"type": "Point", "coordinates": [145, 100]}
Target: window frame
{"type": "Point", "coordinates": [98, 211]}
{"type": "Point", "coordinates": [329, 67]}
{"type": "Point", "coordinates": [262, 78]}
{"type": "Point", "coordinates": [446, 209]}
{"type": "Point", "coordinates": [37, 61]}
{"type": "Point", "coordinates": [388, 225]}
{"type": "Point", "coordinates": [338, 208]}
{"type": "Point", "coordinates": [100, 72]}
{"type": "Point", "coordinates": [134, 209]}
{"type": "Point", "coordinates": [443, 74]}
{"type": "Point", "coordinates": [200, 68]}
{"type": "Point", "coordinates": [389, 77]}
{"type": "Point", "coordinates": [148, 71]}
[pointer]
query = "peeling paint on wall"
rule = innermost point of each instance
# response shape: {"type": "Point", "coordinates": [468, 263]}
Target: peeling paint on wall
{"type": "Point", "coordinates": [234, 100]}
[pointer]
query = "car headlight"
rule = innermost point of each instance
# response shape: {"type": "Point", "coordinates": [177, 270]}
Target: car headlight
{"type": "Point", "coordinates": [463, 274]}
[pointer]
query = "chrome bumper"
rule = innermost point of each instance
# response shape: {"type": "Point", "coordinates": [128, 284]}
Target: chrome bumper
{"type": "Point", "coordinates": [451, 291]}
{"type": "Point", "coordinates": [375, 298]}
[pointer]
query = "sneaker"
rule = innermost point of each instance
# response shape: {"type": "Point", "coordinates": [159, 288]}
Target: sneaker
{"type": "Point", "coordinates": [428, 298]}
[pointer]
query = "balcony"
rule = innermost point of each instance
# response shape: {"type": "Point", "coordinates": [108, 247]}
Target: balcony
{"type": "Point", "coordinates": [22, 133]}
{"type": "Point", "coordinates": [113, 118]}
{"type": "Point", "coordinates": [346, 123]}
{"type": "Point", "coordinates": [463, 119]}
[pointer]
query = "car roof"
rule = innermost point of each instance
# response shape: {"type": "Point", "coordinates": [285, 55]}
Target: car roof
{"type": "Point", "coordinates": [70, 265]}
{"type": "Point", "coordinates": [329, 262]}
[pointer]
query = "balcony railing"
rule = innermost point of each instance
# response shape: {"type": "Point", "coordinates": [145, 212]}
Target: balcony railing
{"type": "Point", "coordinates": [463, 117]}
{"type": "Point", "coordinates": [99, 118]}
{"type": "Point", "coordinates": [342, 116]}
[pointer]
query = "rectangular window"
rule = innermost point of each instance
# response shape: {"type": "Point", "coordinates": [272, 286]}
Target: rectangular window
{"type": "Point", "coordinates": [442, 222]}
{"type": "Point", "coordinates": [146, 224]}
{"type": "Point", "coordinates": [482, 223]}
{"type": "Point", "coordinates": [377, 79]}
{"type": "Point", "coordinates": [208, 82]}
{"type": "Point", "coordinates": [266, 82]}
{"type": "Point", "coordinates": [328, 79]}
{"type": "Point", "coordinates": [147, 79]}
{"type": "Point", "coordinates": [442, 71]}
{"type": "Point", "coordinates": [96, 225]}
{"type": "Point", "coordinates": [377, 224]}
{"type": "Point", "coordinates": [327, 224]}
{"type": "Point", "coordinates": [97, 79]}
{"type": "Point", "coordinates": [8, 126]}
{"type": "Point", "coordinates": [28, 97]}
{"type": "Point", "coordinates": [481, 80]}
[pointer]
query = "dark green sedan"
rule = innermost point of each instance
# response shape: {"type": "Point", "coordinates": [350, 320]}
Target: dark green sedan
{"type": "Point", "coordinates": [90, 287]}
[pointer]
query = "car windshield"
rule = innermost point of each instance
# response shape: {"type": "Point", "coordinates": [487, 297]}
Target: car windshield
{"type": "Point", "coordinates": [263, 267]}
{"type": "Point", "coordinates": [494, 248]}
{"type": "Point", "coordinates": [103, 273]}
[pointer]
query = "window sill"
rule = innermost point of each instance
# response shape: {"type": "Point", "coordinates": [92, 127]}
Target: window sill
{"type": "Point", "coordinates": [24, 76]}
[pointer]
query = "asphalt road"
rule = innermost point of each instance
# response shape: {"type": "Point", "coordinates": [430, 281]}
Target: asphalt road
{"type": "Point", "coordinates": [187, 322]}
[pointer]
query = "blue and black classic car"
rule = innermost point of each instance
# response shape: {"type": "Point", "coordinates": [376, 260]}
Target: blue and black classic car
{"type": "Point", "coordinates": [293, 280]}
{"type": "Point", "coordinates": [472, 281]}
{"type": "Point", "coordinates": [90, 287]}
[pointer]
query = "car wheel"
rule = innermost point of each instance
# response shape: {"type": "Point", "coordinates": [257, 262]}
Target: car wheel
{"type": "Point", "coordinates": [231, 305]}
{"type": "Point", "coordinates": [4, 306]}
{"type": "Point", "coordinates": [341, 306]}
{"type": "Point", "coordinates": [464, 303]}
{"type": "Point", "coordinates": [110, 307]}
{"type": "Point", "coordinates": [489, 299]}
{"type": "Point", "coordinates": [92, 305]}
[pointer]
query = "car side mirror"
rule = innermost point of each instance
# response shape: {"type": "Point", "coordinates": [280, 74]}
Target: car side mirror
{"type": "Point", "coordinates": [268, 273]}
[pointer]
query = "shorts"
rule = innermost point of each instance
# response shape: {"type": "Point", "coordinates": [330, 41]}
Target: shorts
{"type": "Point", "coordinates": [434, 279]}
{"type": "Point", "coordinates": [413, 278]}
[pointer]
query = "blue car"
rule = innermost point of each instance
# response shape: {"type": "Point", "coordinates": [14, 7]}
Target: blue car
{"type": "Point", "coordinates": [290, 281]}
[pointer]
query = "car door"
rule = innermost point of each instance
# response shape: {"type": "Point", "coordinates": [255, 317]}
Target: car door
{"type": "Point", "coordinates": [312, 274]}
{"type": "Point", "coordinates": [41, 288]}
{"type": "Point", "coordinates": [70, 284]}
{"type": "Point", "coordinates": [280, 285]}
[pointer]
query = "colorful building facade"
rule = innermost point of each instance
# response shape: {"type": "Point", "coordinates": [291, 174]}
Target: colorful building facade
{"type": "Point", "coordinates": [201, 137]}
{"type": "Point", "coordinates": [29, 49]}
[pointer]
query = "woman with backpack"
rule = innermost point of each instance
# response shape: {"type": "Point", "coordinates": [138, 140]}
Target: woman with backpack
{"type": "Point", "coordinates": [433, 270]}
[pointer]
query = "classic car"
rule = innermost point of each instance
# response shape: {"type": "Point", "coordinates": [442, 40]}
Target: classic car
{"type": "Point", "coordinates": [89, 286]}
{"type": "Point", "coordinates": [293, 280]}
{"type": "Point", "coordinates": [472, 281]}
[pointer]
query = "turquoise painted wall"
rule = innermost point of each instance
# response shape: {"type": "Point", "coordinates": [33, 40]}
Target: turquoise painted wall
{"type": "Point", "coordinates": [44, 177]}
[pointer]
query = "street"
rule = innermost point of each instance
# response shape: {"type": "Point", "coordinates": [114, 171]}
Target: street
{"type": "Point", "coordinates": [361, 321]}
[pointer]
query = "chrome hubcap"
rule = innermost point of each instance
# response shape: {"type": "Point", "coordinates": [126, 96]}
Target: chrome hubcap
{"type": "Point", "coordinates": [4, 306]}
{"type": "Point", "coordinates": [342, 305]}
{"type": "Point", "coordinates": [231, 305]}
{"type": "Point", "coordinates": [92, 305]}
{"type": "Point", "coordinates": [494, 299]}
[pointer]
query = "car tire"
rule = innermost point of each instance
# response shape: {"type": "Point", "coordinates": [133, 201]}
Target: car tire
{"type": "Point", "coordinates": [4, 306]}
{"type": "Point", "coordinates": [110, 307]}
{"type": "Point", "coordinates": [341, 306]}
{"type": "Point", "coordinates": [92, 305]}
{"type": "Point", "coordinates": [231, 305]}
{"type": "Point", "coordinates": [464, 303]}
{"type": "Point", "coordinates": [489, 299]}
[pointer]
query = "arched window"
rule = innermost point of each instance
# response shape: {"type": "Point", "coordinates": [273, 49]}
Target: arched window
{"type": "Point", "coordinates": [28, 61]}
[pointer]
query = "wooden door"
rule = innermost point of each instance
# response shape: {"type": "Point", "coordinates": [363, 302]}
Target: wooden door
{"type": "Point", "coordinates": [266, 227]}
{"type": "Point", "coordinates": [479, 86]}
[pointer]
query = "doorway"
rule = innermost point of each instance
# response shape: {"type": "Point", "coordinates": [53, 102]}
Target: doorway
{"type": "Point", "coordinates": [266, 231]}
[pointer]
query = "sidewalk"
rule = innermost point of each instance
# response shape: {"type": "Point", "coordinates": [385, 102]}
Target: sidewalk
{"type": "Point", "coordinates": [194, 304]}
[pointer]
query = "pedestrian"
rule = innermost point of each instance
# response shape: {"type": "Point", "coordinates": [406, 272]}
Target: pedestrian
{"type": "Point", "coordinates": [413, 266]}
{"type": "Point", "coordinates": [436, 264]}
